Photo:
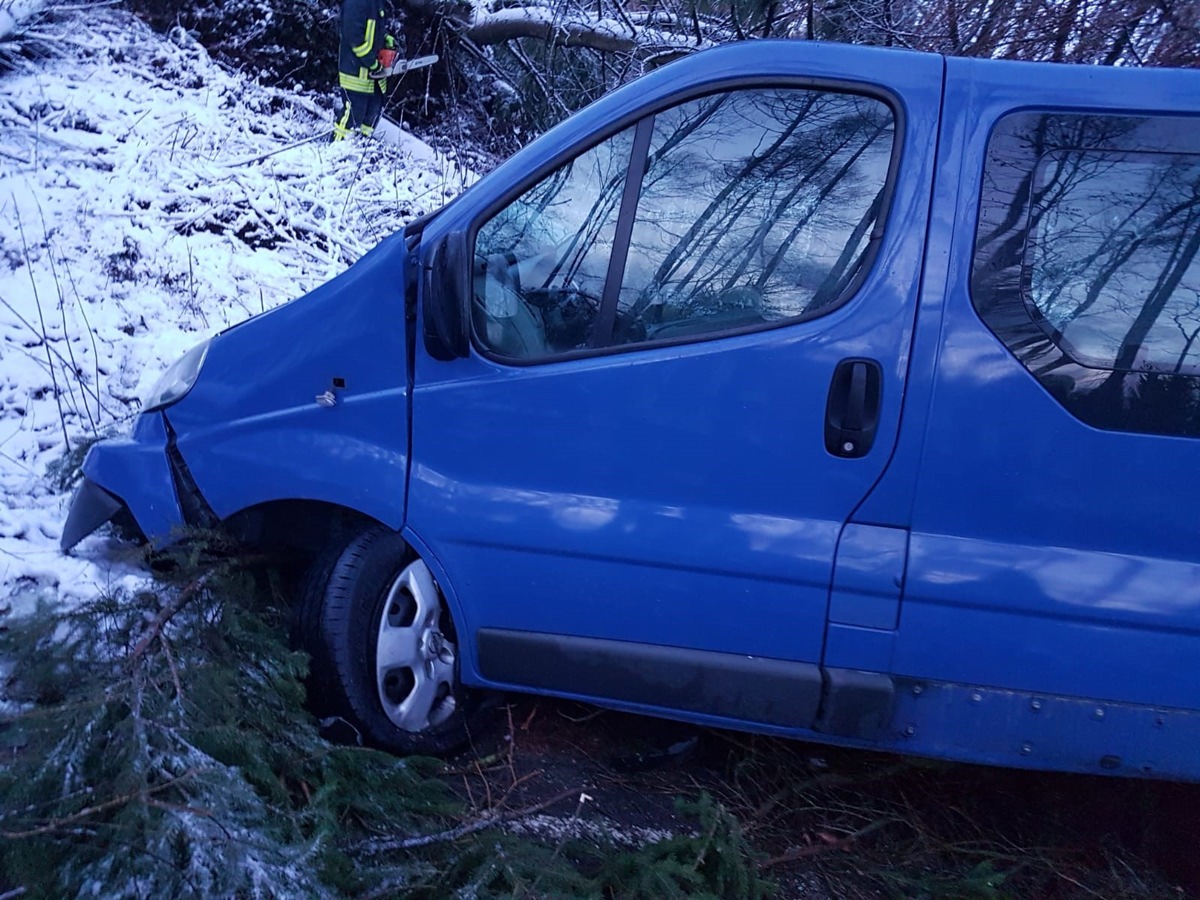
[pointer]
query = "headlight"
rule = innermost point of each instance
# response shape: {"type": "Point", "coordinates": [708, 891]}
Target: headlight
{"type": "Point", "coordinates": [178, 379]}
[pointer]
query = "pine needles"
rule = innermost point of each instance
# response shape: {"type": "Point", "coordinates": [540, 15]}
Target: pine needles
{"type": "Point", "coordinates": [156, 744]}
{"type": "Point", "coordinates": [157, 747]}
{"type": "Point", "coordinates": [709, 865]}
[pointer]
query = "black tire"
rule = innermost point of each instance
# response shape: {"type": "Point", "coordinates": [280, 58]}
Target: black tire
{"type": "Point", "coordinates": [344, 617]}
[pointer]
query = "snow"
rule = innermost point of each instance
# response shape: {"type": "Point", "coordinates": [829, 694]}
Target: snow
{"type": "Point", "coordinates": [14, 12]}
{"type": "Point", "coordinates": [555, 829]}
{"type": "Point", "coordinates": [148, 198]}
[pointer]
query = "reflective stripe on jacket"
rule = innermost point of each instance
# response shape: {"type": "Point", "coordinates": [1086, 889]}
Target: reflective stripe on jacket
{"type": "Point", "coordinates": [362, 37]}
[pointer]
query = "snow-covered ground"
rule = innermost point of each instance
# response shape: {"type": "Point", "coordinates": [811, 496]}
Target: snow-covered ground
{"type": "Point", "coordinates": [143, 206]}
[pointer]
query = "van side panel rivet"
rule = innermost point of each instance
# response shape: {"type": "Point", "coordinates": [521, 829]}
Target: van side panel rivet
{"type": "Point", "coordinates": [918, 690]}
{"type": "Point", "coordinates": [1159, 722]}
{"type": "Point", "coordinates": [910, 730]}
{"type": "Point", "coordinates": [976, 697]}
{"type": "Point", "coordinates": [1098, 714]}
{"type": "Point", "coordinates": [1035, 705]}
{"type": "Point", "coordinates": [1026, 748]}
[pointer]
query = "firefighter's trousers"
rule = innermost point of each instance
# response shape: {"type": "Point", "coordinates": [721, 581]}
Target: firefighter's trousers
{"type": "Point", "coordinates": [360, 110]}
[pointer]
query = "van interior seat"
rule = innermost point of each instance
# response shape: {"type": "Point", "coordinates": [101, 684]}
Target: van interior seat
{"type": "Point", "coordinates": [511, 326]}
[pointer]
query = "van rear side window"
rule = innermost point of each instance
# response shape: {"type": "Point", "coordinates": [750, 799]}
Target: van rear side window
{"type": "Point", "coordinates": [1112, 260]}
{"type": "Point", "coordinates": [1087, 263]}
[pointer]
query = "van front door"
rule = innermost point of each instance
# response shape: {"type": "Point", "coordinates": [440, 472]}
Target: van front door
{"type": "Point", "coordinates": [688, 358]}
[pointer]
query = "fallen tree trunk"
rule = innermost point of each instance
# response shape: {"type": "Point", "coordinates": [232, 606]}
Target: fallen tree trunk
{"type": "Point", "coordinates": [608, 34]}
{"type": "Point", "coordinates": [573, 25]}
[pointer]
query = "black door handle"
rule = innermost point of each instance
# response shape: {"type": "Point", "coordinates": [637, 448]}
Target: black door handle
{"type": "Point", "coordinates": [852, 411]}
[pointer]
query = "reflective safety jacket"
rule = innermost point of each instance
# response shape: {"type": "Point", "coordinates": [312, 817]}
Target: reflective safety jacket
{"type": "Point", "coordinates": [363, 32]}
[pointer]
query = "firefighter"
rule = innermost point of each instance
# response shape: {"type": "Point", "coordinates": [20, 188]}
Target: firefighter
{"type": "Point", "coordinates": [362, 77]}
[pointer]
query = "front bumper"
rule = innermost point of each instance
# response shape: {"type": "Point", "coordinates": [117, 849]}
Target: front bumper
{"type": "Point", "coordinates": [134, 474]}
{"type": "Point", "coordinates": [91, 507]}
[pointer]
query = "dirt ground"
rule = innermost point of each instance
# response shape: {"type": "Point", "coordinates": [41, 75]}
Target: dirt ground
{"type": "Point", "coordinates": [830, 823]}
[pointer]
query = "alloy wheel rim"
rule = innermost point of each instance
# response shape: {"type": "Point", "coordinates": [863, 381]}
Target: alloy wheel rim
{"type": "Point", "coordinates": [414, 660]}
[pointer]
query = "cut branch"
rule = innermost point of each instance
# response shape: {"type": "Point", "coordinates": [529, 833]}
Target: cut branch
{"type": "Point", "coordinates": [87, 812]}
{"type": "Point", "coordinates": [489, 820]}
{"type": "Point", "coordinates": [165, 615]}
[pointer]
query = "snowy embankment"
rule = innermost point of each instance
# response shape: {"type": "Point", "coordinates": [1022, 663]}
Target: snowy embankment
{"type": "Point", "coordinates": [142, 208]}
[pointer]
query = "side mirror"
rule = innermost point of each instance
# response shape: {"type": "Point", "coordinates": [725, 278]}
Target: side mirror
{"type": "Point", "coordinates": [444, 296]}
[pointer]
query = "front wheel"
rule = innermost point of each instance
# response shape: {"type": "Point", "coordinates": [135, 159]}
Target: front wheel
{"type": "Point", "coordinates": [384, 648]}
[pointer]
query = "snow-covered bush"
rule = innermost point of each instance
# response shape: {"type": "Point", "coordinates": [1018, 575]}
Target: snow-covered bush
{"type": "Point", "coordinates": [279, 42]}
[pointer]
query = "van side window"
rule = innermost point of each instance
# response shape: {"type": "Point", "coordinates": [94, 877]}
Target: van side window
{"type": "Point", "coordinates": [1112, 258]}
{"type": "Point", "coordinates": [757, 206]}
{"type": "Point", "coordinates": [1086, 263]}
{"type": "Point", "coordinates": [747, 209]}
{"type": "Point", "coordinates": [540, 263]}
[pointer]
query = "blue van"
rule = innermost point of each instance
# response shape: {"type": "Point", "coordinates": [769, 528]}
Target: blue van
{"type": "Point", "coordinates": [822, 391]}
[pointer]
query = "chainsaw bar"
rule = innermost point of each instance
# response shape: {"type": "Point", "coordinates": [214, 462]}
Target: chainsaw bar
{"type": "Point", "coordinates": [407, 65]}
